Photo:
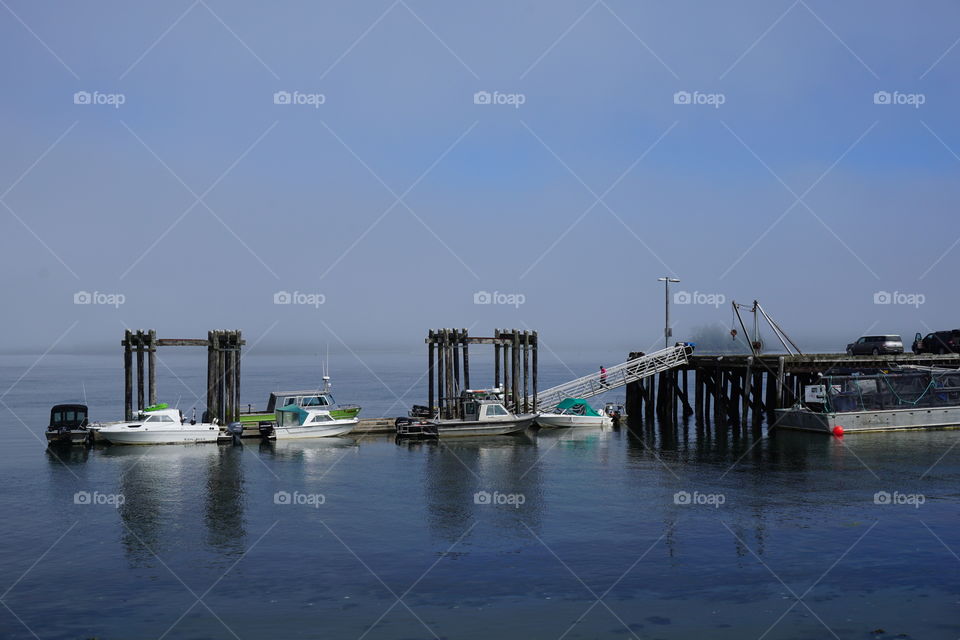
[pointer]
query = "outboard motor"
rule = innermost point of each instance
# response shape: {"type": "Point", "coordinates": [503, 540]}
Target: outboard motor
{"type": "Point", "coordinates": [235, 429]}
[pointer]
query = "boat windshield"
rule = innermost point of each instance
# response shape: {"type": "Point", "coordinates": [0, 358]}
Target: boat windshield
{"type": "Point", "coordinates": [314, 401]}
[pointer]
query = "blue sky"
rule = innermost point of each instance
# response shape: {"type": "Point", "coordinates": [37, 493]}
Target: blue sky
{"type": "Point", "coordinates": [399, 198]}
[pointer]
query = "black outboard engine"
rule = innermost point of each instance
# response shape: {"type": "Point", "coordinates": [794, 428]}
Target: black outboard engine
{"type": "Point", "coordinates": [235, 429]}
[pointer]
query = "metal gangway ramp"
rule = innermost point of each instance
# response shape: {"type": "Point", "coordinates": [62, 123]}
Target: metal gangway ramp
{"type": "Point", "coordinates": [615, 377]}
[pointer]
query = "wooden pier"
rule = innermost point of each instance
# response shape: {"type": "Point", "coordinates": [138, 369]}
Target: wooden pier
{"type": "Point", "coordinates": [448, 362]}
{"type": "Point", "coordinates": [738, 389]}
{"type": "Point", "coordinates": [223, 370]}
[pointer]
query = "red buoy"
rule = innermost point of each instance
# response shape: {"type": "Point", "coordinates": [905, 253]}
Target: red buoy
{"type": "Point", "coordinates": [838, 431]}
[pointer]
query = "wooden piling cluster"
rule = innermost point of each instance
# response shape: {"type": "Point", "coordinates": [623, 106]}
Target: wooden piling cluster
{"type": "Point", "coordinates": [223, 370]}
{"type": "Point", "coordinates": [223, 375]}
{"type": "Point", "coordinates": [448, 363]}
{"type": "Point", "coordinates": [742, 389]}
{"type": "Point", "coordinates": [143, 342]}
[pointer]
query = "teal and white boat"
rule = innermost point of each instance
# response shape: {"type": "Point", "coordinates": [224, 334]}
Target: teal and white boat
{"type": "Point", "coordinates": [574, 412]}
{"type": "Point", "coordinates": [306, 398]}
{"type": "Point", "coordinates": [294, 421]}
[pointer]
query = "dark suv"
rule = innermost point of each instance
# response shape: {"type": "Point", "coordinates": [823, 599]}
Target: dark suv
{"type": "Point", "coordinates": [938, 342]}
{"type": "Point", "coordinates": [875, 345]}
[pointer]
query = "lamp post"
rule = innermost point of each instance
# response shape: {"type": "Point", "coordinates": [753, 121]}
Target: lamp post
{"type": "Point", "coordinates": [667, 332]}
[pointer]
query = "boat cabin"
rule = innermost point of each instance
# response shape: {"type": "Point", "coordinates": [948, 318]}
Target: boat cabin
{"type": "Point", "coordinates": [295, 416]}
{"type": "Point", "coordinates": [308, 399]}
{"type": "Point", "coordinates": [68, 417]}
{"type": "Point", "coordinates": [484, 410]}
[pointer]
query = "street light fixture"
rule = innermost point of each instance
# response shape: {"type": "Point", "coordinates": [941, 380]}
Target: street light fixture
{"type": "Point", "coordinates": [667, 332]}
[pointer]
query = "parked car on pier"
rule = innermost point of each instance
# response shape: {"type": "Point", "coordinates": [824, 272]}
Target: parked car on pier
{"type": "Point", "coordinates": [938, 342]}
{"type": "Point", "coordinates": [876, 346]}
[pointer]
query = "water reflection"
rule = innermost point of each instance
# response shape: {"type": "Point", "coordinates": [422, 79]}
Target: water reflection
{"type": "Point", "coordinates": [312, 449]}
{"type": "Point", "coordinates": [496, 479]}
{"type": "Point", "coordinates": [161, 498]}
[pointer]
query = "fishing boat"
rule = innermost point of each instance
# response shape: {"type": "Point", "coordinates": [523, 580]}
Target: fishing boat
{"type": "Point", "coordinates": [909, 398]}
{"type": "Point", "coordinates": [159, 425]}
{"type": "Point", "coordinates": [573, 412]}
{"type": "Point", "coordinates": [68, 425]}
{"type": "Point", "coordinates": [307, 399]}
{"type": "Point", "coordinates": [293, 421]}
{"type": "Point", "coordinates": [483, 414]}
{"type": "Point", "coordinates": [617, 412]}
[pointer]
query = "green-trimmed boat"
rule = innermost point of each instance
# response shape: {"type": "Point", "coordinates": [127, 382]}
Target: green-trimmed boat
{"type": "Point", "coordinates": [306, 398]}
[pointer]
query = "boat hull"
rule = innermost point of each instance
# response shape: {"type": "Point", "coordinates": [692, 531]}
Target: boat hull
{"type": "Point", "coordinates": [76, 436]}
{"type": "Point", "coordinates": [253, 419]}
{"type": "Point", "coordinates": [196, 434]}
{"type": "Point", "coordinates": [319, 431]}
{"type": "Point", "coordinates": [559, 421]}
{"type": "Point", "coordinates": [458, 428]}
{"type": "Point", "coordinates": [869, 421]}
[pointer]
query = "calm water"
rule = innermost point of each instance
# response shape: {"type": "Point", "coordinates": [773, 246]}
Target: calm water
{"type": "Point", "coordinates": [589, 542]}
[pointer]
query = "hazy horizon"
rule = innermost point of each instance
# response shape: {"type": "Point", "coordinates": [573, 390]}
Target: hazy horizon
{"type": "Point", "coordinates": [354, 175]}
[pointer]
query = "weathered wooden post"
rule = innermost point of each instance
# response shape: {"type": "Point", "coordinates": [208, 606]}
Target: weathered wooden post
{"type": "Point", "coordinates": [227, 379]}
{"type": "Point", "coordinates": [747, 382]}
{"type": "Point", "coordinates": [698, 394]}
{"type": "Point", "coordinates": [515, 370]}
{"type": "Point", "coordinates": [466, 358]}
{"type": "Point", "coordinates": [536, 348]}
{"type": "Point", "coordinates": [441, 388]}
{"type": "Point", "coordinates": [526, 370]}
{"type": "Point", "coordinates": [139, 339]}
{"type": "Point", "coordinates": [152, 368]}
{"type": "Point", "coordinates": [127, 376]}
{"type": "Point", "coordinates": [238, 337]}
{"type": "Point", "coordinates": [431, 371]}
{"type": "Point", "coordinates": [780, 383]}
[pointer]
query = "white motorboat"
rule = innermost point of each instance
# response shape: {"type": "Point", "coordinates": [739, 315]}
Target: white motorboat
{"type": "Point", "coordinates": [159, 425]}
{"type": "Point", "coordinates": [483, 414]}
{"type": "Point", "coordinates": [574, 412]}
{"type": "Point", "coordinates": [295, 421]}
